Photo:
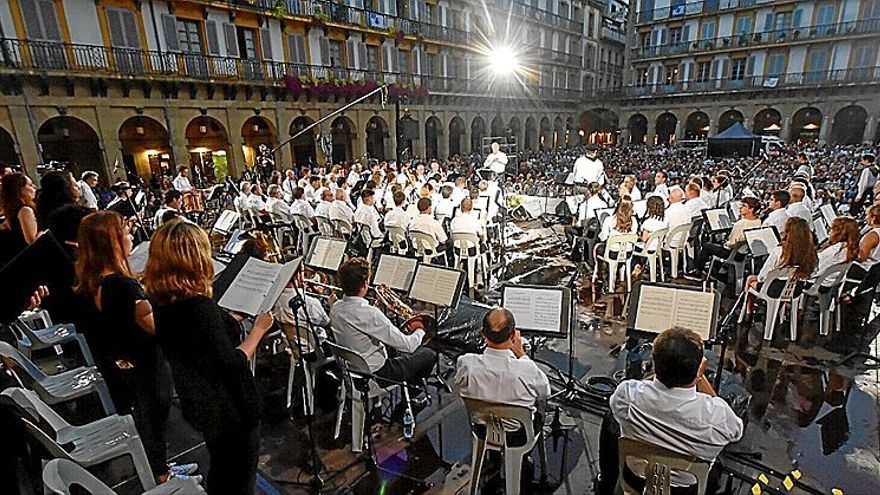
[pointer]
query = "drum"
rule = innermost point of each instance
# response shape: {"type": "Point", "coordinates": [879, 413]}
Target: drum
{"type": "Point", "coordinates": [193, 201]}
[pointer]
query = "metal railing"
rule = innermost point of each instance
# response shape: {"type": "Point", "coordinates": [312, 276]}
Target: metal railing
{"type": "Point", "coordinates": [698, 7]}
{"type": "Point", "coordinates": [809, 79]}
{"type": "Point", "coordinates": [613, 35]}
{"type": "Point", "coordinates": [749, 40]}
{"type": "Point", "coordinates": [523, 9]}
{"type": "Point", "coordinates": [96, 60]}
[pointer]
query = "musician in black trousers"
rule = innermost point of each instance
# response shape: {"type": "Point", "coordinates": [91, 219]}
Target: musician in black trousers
{"type": "Point", "coordinates": [201, 342]}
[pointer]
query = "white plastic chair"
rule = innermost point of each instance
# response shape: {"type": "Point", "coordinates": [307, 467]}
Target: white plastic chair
{"type": "Point", "coordinates": [304, 230]}
{"type": "Point", "coordinates": [361, 385]}
{"type": "Point", "coordinates": [341, 227]}
{"type": "Point", "coordinates": [469, 256]}
{"type": "Point", "coordinates": [426, 247]}
{"type": "Point", "coordinates": [371, 242]}
{"type": "Point", "coordinates": [307, 342]}
{"type": "Point", "coordinates": [324, 226]}
{"type": "Point", "coordinates": [61, 475]}
{"type": "Point", "coordinates": [658, 464]}
{"type": "Point", "coordinates": [399, 242]}
{"type": "Point", "coordinates": [87, 445]}
{"type": "Point", "coordinates": [651, 250]}
{"type": "Point", "coordinates": [29, 339]}
{"type": "Point", "coordinates": [826, 290]}
{"type": "Point", "coordinates": [494, 417]}
{"type": "Point", "coordinates": [779, 288]}
{"type": "Point", "coordinates": [618, 254]}
{"type": "Point", "coordinates": [676, 246]}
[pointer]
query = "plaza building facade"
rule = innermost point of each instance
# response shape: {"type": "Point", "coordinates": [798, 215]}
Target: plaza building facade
{"type": "Point", "coordinates": [146, 85]}
{"type": "Point", "coordinates": [800, 70]}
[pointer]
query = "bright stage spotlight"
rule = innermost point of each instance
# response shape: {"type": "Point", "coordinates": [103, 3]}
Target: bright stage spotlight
{"type": "Point", "coordinates": [503, 61]}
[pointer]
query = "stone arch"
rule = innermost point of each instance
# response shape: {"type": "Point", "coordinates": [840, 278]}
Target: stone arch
{"type": "Point", "coordinates": [638, 128]}
{"type": "Point", "coordinates": [456, 134]}
{"type": "Point", "coordinates": [806, 124]}
{"type": "Point", "coordinates": [144, 143]}
{"type": "Point", "coordinates": [558, 132]}
{"type": "Point", "coordinates": [530, 135]}
{"type": "Point", "coordinates": [696, 125]}
{"type": "Point", "coordinates": [377, 136]}
{"type": "Point", "coordinates": [8, 155]}
{"type": "Point", "coordinates": [342, 135]}
{"type": "Point", "coordinates": [497, 128]}
{"type": "Point", "coordinates": [571, 136]}
{"type": "Point", "coordinates": [256, 132]}
{"type": "Point", "coordinates": [209, 150]}
{"type": "Point", "coordinates": [849, 125]}
{"type": "Point", "coordinates": [664, 128]}
{"type": "Point", "coordinates": [545, 141]}
{"type": "Point", "coordinates": [478, 132]}
{"type": "Point", "coordinates": [514, 130]}
{"type": "Point", "coordinates": [729, 118]}
{"type": "Point", "coordinates": [599, 126]}
{"type": "Point", "coordinates": [303, 147]}
{"type": "Point", "coordinates": [433, 131]}
{"type": "Point", "coordinates": [768, 122]}
{"type": "Point", "coordinates": [71, 140]}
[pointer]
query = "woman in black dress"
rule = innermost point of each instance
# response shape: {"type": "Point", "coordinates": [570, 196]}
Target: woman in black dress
{"type": "Point", "coordinates": [57, 189]}
{"type": "Point", "coordinates": [119, 327]}
{"type": "Point", "coordinates": [18, 195]}
{"type": "Point", "coordinates": [217, 392]}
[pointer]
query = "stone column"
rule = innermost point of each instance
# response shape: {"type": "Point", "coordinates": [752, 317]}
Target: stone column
{"type": "Point", "coordinates": [786, 129]}
{"type": "Point", "coordinates": [679, 130]}
{"type": "Point", "coordinates": [825, 130]}
{"type": "Point", "coordinates": [712, 128]}
{"type": "Point", "coordinates": [283, 157]}
{"type": "Point", "coordinates": [443, 136]}
{"type": "Point", "coordinates": [870, 130]}
{"type": "Point", "coordinates": [27, 147]}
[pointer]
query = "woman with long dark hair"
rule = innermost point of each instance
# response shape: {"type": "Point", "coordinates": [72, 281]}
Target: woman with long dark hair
{"type": "Point", "coordinates": [57, 189]}
{"type": "Point", "coordinates": [18, 194]}
{"type": "Point", "coordinates": [218, 396]}
{"type": "Point", "coordinates": [121, 333]}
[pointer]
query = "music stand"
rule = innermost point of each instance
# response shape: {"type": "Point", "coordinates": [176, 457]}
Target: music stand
{"type": "Point", "coordinates": [717, 220]}
{"type": "Point", "coordinates": [225, 222]}
{"type": "Point", "coordinates": [234, 244]}
{"type": "Point", "coordinates": [397, 272]}
{"type": "Point", "coordinates": [656, 307]}
{"type": "Point", "coordinates": [828, 213]}
{"type": "Point", "coordinates": [819, 228]}
{"type": "Point", "coordinates": [733, 209]}
{"type": "Point", "coordinates": [539, 310]}
{"type": "Point", "coordinates": [437, 285]}
{"type": "Point", "coordinates": [761, 240]}
{"type": "Point", "coordinates": [326, 253]}
{"type": "Point", "coordinates": [602, 214]}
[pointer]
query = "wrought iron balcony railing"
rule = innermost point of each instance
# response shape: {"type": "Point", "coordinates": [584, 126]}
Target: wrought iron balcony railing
{"type": "Point", "coordinates": [697, 7]}
{"type": "Point", "coordinates": [750, 40]}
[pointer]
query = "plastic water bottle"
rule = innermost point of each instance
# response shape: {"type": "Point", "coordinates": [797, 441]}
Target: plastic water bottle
{"type": "Point", "coordinates": [409, 423]}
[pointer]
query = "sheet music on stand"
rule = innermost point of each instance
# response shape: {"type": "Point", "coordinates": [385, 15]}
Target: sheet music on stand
{"type": "Point", "coordinates": [397, 272]}
{"type": "Point", "coordinates": [235, 242]}
{"type": "Point", "coordinates": [761, 240]}
{"type": "Point", "coordinates": [657, 307]}
{"type": "Point", "coordinates": [602, 214]}
{"type": "Point", "coordinates": [819, 228]}
{"type": "Point", "coordinates": [539, 310]}
{"type": "Point", "coordinates": [226, 222]}
{"type": "Point", "coordinates": [326, 253]}
{"type": "Point", "coordinates": [718, 219]}
{"type": "Point", "coordinates": [437, 285]}
{"type": "Point", "coordinates": [828, 213]}
{"type": "Point", "coordinates": [733, 209]}
{"type": "Point", "coordinates": [257, 286]}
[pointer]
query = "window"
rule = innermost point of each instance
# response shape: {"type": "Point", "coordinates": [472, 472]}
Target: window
{"type": "Point", "coordinates": [703, 71]}
{"type": "Point", "coordinates": [738, 69]}
{"type": "Point", "coordinates": [870, 9]}
{"type": "Point", "coordinates": [188, 36]}
{"type": "Point", "coordinates": [775, 64]}
{"type": "Point", "coordinates": [373, 58]}
{"type": "Point", "coordinates": [642, 78]}
{"type": "Point", "coordinates": [40, 20]}
{"type": "Point", "coordinates": [782, 21]}
{"type": "Point", "coordinates": [708, 30]}
{"type": "Point", "coordinates": [123, 28]}
{"type": "Point", "coordinates": [247, 44]}
{"type": "Point", "coordinates": [335, 47]}
{"type": "Point", "coordinates": [675, 36]}
{"type": "Point", "coordinates": [669, 74]}
{"type": "Point", "coordinates": [431, 64]}
{"type": "Point", "coordinates": [297, 48]}
{"type": "Point", "coordinates": [403, 57]}
{"type": "Point", "coordinates": [864, 55]}
{"type": "Point", "coordinates": [743, 25]}
{"type": "Point", "coordinates": [825, 14]}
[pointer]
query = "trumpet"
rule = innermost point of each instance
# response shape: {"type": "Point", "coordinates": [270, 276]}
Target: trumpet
{"type": "Point", "coordinates": [412, 320]}
{"type": "Point", "coordinates": [320, 283]}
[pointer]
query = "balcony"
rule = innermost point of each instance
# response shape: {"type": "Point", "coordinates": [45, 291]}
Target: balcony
{"type": "Point", "coordinates": [810, 79]}
{"type": "Point", "coordinates": [124, 63]}
{"type": "Point", "coordinates": [695, 8]}
{"type": "Point", "coordinates": [753, 40]}
{"type": "Point", "coordinates": [550, 55]}
{"type": "Point", "coordinates": [612, 34]}
{"type": "Point", "coordinates": [522, 9]}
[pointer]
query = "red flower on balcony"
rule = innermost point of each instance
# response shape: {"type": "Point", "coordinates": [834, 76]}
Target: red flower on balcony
{"type": "Point", "coordinates": [323, 88]}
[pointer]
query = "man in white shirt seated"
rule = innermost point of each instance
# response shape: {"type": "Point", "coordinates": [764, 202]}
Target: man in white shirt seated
{"type": "Point", "coordinates": [255, 201]}
{"type": "Point", "coordinates": [695, 204]}
{"type": "Point", "coordinates": [426, 223]}
{"type": "Point", "coordinates": [306, 304]}
{"type": "Point", "coordinates": [181, 182]}
{"type": "Point", "coordinates": [660, 188]}
{"type": "Point", "coordinates": [340, 210]}
{"type": "Point", "coordinates": [278, 209]}
{"type": "Point", "coordinates": [796, 207]}
{"type": "Point", "coordinates": [366, 330]}
{"type": "Point", "coordinates": [466, 222]}
{"type": "Point", "coordinates": [778, 214]}
{"type": "Point", "coordinates": [300, 206]}
{"type": "Point", "coordinates": [172, 202]}
{"type": "Point", "coordinates": [289, 184]}
{"type": "Point", "coordinates": [497, 160]}
{"type": "Point", "coordinates": [86, 185]}
{"type": "Point", "coordinates": [368, 215]}
{"type": "Point", "coordinates": [445, 205]}
{"type": "Point", "coordinates": [678, 409]}
{"type": "Point", "coordinates": [460, 191]}
{"type": "Point", "coordinates": [312, 192]}
{"type": "Point", "coordinates": [323, 208]}
{"type": "Point", "coordinates": [398, 217]}
{"type": "Point", "coordinates": [676, 213]}
{"type": "Point", "coordinates": [503, 373]}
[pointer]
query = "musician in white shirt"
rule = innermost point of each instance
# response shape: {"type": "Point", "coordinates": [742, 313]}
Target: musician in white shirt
{"type": "Point", "coordinates": [695, 204]}
{"type": "Point", "coordinates": [678, 409]}
{"type": "Point", "coordinates": [588, 168]}
{"type": "Point", "coordinates": [460, 191]}
{"type": "Point", "coordinates": [466, 222]}
{"type": "Point", "coordinates": [181, 182]}
{"type": "Point", "coordinates": [278, 209]}
{"type": "Point", "coordinates": [366, 330]}
{"type": "Point", "coordinates": [323, 208]}
{"type": "Point", "coordinates": [778, 213]}
{"type": "Point", "coordinates": [445, 205]}
{"type": "Point", "coordinates": [340, 209]}
{"type": "Point", "coordinates": [497, 160]}
{"type": "Point", "coordinates": [368, 215]}
{"type": "Point", "coordinates": [300, 206]}
{"type": "Point", "coordinates": [676, 213]}
{"type": "Point", "coordinates": [660, 188]}
{"type": "Point", "coordinates": [172, 202]}
{"type": "Point", "coordinates": [312, 191]}
{"type": "Point", "coordinates": [86, 193]}
{"type": "Point", "coordinates": [503, 373]}
{"type": "Point", "coordinates": [398, 217]}
{"type": "Point", "coordinates": [255, 200]}
{"type": "Point", "coordinates": [289, 184]}
{"type": "Point", "coordinates": [796, 207]}
{"type": "Point", "coordinates": [426, 223]}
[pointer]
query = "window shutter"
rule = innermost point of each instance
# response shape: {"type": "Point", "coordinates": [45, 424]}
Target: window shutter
{"type": "Point", "coordinates": [231, 40]}
{"type": "Point", "coordinates": [768, 22]}
{"type": "Point", "coordinates": [750, 65]}
{"type": "Point", "coordinates": [444, 67]}
{"type": "Point", "coordinates": [266, 40]}
{"type": "Point", "coordinates": [713, 71]}
{"type": "Point", "coordinates": [362, 56]}
{"type": "Point", "coordinates": [423, 58]}
{"type": "Point", "coordinates": [796, 18]}
{"type": "Point", "coordinates": [48, 17]}
{"type": "Point", "coordinates": [686, 33]}
{"type": "Point", "coordinates": [387, 62]}
{"type": "Point", "coordinates": [114, 23]}
{"type": "Point", "coordinates": [297, 47]}
{"type": "Point", "coordinates": [443, 21]}
{"type": "Point", "coordinates": [663, 36]}
{"type": "Point", "coordinates": [130, 27]}
{"type": "Point", "coordinates": [324, 45]}
{"type": "Point", "coordinates": [682, 71]}
{"type": "Point", "coordinates": [31, 17]}
{"type": "Point", "coordinates": [349, 54]}
{"type": "Point", "coordinates": [213, 37]}
{"type": "Point", "coordinates": [169, 25]}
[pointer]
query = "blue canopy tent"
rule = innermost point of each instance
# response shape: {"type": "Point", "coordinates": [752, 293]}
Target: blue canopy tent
{"type": "Point", "coordinates": [736, 140]}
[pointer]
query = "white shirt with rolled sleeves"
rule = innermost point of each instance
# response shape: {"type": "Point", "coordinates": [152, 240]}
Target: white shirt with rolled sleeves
{"type": "Point", "coordinates": [468, 223]}
{"type": "Point", "coordinates": [696, 206]}
{"type": "Point", "coordinates": [587, 171]}
{"type": "Point", "coordinates": [496, 162]}
{"type": "Point", "coordinates": [497, 376]}
{"type": "Point", "coordinates": [679, 419]}
{"type": "Point", "coordinates": [182, 184]}
{"type": "Point", "coordinates": [316, 314]}
{"type": "Point", "coordinates": [428, 225]}
{"type": "Point", "coordinates": [366, 330]}
{"type": "Point", "coordinates": [279, 210]}
{"type": "Point", "coordinates": [302, 207]}
{"type": "Point", "coordinates": [341, 210]}
{"type": "Point", "coordinates": [368, 215]}
{"type": "Point", "coordinates": [397, 217]}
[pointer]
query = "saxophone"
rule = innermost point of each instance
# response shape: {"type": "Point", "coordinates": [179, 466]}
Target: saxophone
{"type": "Point", "coordinates": [412, 320]}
